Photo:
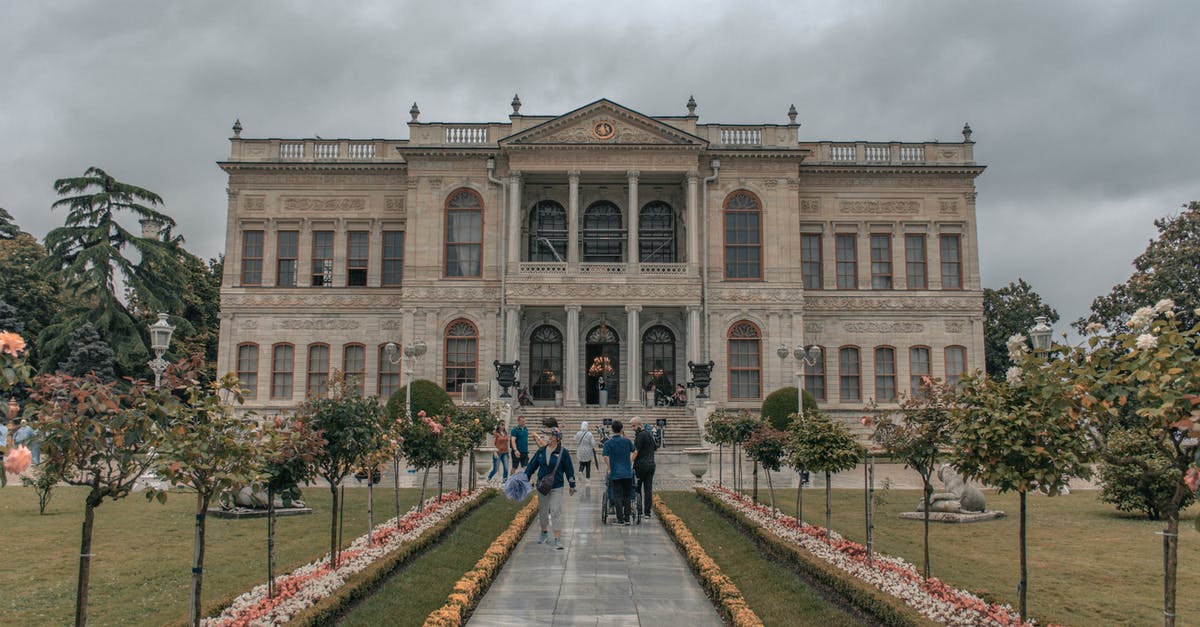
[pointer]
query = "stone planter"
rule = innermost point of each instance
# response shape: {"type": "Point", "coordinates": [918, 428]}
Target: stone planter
{"type": "Point", "coordinates": [697, 458]}
{"type": "Point", "coordinates": [483, 460]}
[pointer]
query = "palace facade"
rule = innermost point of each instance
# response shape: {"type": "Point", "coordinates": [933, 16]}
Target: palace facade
{"type": "Point", "coordinates": [601, 246]}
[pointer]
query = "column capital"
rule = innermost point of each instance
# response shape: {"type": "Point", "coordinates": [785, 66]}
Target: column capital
{"type": "Point", "coordinates": [514, 175]}
{"type": "Point", "coordinates": [692, 175]}
{"type": "Point", "coordinates": [573, 175]}
{"type": "Point", "coordinates": [633, 308]}
{"type": "Point", "coordinates": [632, 174]}
{"type": "Point", "coordinates": [693, 308]}
{"type": "Point", "coordinates": [573, 308]}
{"type": "Point", "coordinates": [512, 308]}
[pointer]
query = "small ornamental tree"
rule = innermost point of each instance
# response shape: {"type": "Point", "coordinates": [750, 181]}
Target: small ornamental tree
{"type": "Point", "coordinates": [424, 442]}
{"type": "Point", "coordinates": [767, 447]}
{"type": "Point", "coordinates": [287, 465]}
{"type": "Point", "coordinates": [98, 436]}
{"type": "Point", "coordinates": [352, 427]}
{"type": "Point", "coordinates": [917, 436]}
{"type": "Point", "coordinates": [818, 443]}
{"type": "Point", "coordinates": [1021, 433]}
{"type": "Point", "coordinates": [205, 448]}
{"type": "Point", "coordinates": [1137, 476]}
{"type": "Point", "coordinates": [729, 428]}
{"type": "Point", "coordinates": [780, 406]}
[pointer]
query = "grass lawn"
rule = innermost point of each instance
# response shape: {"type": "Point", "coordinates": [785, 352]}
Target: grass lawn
{"type": "Point", "coordinates": [1088, 564]}
{"type": "Point", "coordinates": [774, 592]}
{"type": "Point", "coordinates": [143, 551]}
{"type": "Point", "coordinates": [422, 587]}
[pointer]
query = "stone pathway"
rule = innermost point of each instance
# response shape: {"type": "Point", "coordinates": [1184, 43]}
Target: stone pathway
{"type": "Point", "coordinates": [608, 575]}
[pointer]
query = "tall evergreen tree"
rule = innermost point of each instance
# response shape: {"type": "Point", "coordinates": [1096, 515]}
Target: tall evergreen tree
{"type": "Point", "coordinates": [90, 253]}
{"type": "Point", "coordinates": [88, 353]}
{"type": "Point", "coordinates": [8, 228]}
{"type": "Point", "coordinates": [10, 320]}
{"type": "Point", "coordinates": [1006, 312]}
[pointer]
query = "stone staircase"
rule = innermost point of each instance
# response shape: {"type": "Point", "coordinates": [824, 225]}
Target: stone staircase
{"type": "Point", "coordinates": [681, 430]}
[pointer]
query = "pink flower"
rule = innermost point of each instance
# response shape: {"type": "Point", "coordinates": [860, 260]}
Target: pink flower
{"type": "Point", "coordinates": [11, 343]}
{"type": "Point", "coordinates": [17, 460]}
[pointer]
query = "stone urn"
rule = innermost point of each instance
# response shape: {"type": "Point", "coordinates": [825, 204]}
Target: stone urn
{"type": "Point", "coordinates": [697, 458]}
{"type": "Point", "coordinates": [483, 460]}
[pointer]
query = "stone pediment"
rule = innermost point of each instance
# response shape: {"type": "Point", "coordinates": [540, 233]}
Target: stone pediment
{"type": "Point", "coordinates": [603, 123]}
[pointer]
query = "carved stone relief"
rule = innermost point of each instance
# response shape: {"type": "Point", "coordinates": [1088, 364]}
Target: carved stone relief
{"type": "Point", "coordinates": [325, 324]}
{"type": "Point", "coordinates": [309, 179]}
{"type": "Point", "coordinates": [955, 326]}
{"type": "Point", "coordinates": [810, 205]}
{"type": "Point", "coordinates": [948, 206]}
{"type": "Point", "coordinates": [880, 207]}
{"type": "Point", "coordinates": [391, 325]}
{"type": "Point", "coordinates": [393, 204]}
{"type": "Point", "coordinates": [250, 323]}
{"type": "Point", "coordinates": [255, 203]}
{"type": "Point", "coordinates": [332, 206]}
{"type": "Point", "coordinates": [813, 327]}
{"type": "Point", "coordinates": [883, 327]}
{"type": "Point", "coordinates": [841, 303]}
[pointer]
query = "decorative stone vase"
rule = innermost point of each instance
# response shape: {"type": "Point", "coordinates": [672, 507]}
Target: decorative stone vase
{"type": "Point", "coordinates": [698, 457]}
{"type": "Point", "coordinates": [483, 460]}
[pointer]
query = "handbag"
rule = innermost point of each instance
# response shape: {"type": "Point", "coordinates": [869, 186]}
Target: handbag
{"type": "Point", "coordinates": [546, 484]}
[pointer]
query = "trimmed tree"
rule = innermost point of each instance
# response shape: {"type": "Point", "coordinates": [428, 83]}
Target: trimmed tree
{"type": "Point", "coordinates": [1136, 475]}
{"type": "Point", "coordinates": [821, 444]}
{"type": "Point", "coordinates": [767, 447]}
{"type": "Point", "coordinates": [780, 406]}
{"type": "Point", "coordinates": [286, 466]}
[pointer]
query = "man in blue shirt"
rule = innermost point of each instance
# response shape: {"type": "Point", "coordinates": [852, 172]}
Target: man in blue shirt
{"type": "Point", "coordinates": [520, 444]}
{"type": "Point", "coordinates": [617, 451]}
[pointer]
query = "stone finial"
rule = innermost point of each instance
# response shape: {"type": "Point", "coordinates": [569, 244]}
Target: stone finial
{"type": "Point", "coordinates": [415, 112]}
{"type": "Point", "coordinates": [691, 106]}
{"type": "Point", "coordinates": [792, 114]}
{"type": "Point", "coordinates": [516, 104]}
{"type": "Point", "coordinates": [237, 127]}
{"type": "Point", "coordinates": [967, 133]}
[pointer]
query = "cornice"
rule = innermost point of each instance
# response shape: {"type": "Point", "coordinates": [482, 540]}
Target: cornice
{"type": "Point", "coordinates": [311, 166]}
{"type": "Point", "coordinates": [964, 169]}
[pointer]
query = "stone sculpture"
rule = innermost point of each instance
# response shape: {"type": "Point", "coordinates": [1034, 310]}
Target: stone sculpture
{"type": "Point", "coordinates": [959, 496]}
{"type": "Point", "coordinates": [255, 497]}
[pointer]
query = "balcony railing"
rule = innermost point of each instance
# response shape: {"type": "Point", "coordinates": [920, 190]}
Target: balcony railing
{"type": "Point", "coordinates": [553, 268]}
{"type": "Point", "coordinates": [893, 153]}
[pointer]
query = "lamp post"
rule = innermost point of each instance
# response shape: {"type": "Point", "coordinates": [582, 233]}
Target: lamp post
{"type": "Point", "coordinates": [412, 351]}
{"type": "Point", "coordinates": [160, 339]}
{"type": "Point", "coordinates": [1040, 334]}
{"type": "Point", "coordinates": [804, 356]}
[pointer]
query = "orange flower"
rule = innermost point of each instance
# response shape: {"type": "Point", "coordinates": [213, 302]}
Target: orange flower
{"type": "Point", "coordinates": [11, 343]}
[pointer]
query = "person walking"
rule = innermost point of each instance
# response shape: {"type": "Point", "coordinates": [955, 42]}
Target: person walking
{"type": "Point", "coordinates": [552, 459]}
{"type": "Point", "coordinates": [519, 444]}
{"type": "Point", "coordinates": [500, 441]}
{"type": "Point", "coordinates": [644, 446]}
{"type": "Point", "coordinates": [586, 451]}
{"type": "Point", "coordinates": [617, 450]}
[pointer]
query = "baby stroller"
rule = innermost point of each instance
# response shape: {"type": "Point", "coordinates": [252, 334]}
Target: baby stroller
{"type": "Point", "coordinates": [608, 504]}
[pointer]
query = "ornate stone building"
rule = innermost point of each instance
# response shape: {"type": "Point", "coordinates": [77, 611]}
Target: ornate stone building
{"type": "Point", "coordinates": [601, 241]}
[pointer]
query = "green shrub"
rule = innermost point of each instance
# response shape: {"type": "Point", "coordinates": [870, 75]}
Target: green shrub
{"type": "Point", "coordinates": [426, 395]}
{"type": "Point", "coordinates": [1137, 476]}
{"type": "Point", "coordinates": [779, 406]}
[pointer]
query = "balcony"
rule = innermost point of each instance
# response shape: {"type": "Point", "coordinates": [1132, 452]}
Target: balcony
{"type": "Point", "coordinates": [314, 150]}
{"type": "Point", "coordinates": [596, 270]}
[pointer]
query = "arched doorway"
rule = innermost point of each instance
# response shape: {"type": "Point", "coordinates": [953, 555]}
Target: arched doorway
{"type": "Point", "coordinates": [546, 358]}
{"type": "Point", "coordinates": [603, 352]}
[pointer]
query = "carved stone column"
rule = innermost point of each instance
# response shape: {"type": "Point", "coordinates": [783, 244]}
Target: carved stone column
{"type": "Point", "coordinates": [571, 358]}
{"type": "Point", "coordinates": [573, 220]}
{"type": "Point", "coordinates": [633, 396]}
{"type": "Point", "coordinates": [692, 223]}
{"type": "Point", "coordinates": [515, 210]}
{"type": "Point", "coordinates": [512, 320]}
{"type": "Point", "coordinates": [634, 256]}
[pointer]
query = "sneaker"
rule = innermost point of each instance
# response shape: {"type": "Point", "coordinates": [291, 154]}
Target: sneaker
{"type": "Point", "coordinates": [558, 544]}
{"type": "Point", "coordinates": [543, 537]}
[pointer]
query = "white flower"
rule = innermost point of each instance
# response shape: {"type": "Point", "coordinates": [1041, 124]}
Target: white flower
{"type": "Point", "coordinates": [1141, 318]}
{"type": "Point", "coordinates": [1093, 327]}
{"type": "Point", "coordinates": [1164, 305]}
{"type": "Point", "coordinates": [1016, 346]}
{"type": "Point", "coordinates": [1013, 376]}
{"type": "Point", "coordinates": [1146, 341]}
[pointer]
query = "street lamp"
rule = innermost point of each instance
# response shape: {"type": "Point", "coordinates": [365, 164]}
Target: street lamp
{"type": "Point", "coordinates": [1040, 334]}
{"type": "Point", "coordinates": [412, 351]}
{"type": "Point", "coordinates": [805, 356]}
{"type": "Point", "coordinates": [160, 339]}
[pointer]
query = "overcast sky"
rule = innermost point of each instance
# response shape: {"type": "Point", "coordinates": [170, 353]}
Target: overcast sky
{"type": "Point", "coordinates": [1086, 113]}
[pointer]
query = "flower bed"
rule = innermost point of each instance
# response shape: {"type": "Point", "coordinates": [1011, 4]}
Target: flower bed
{"type": "Point", "coordinates": [472, 586]}
{"type": "Point", "coordinates": [722, 589]}
{"type": "Point", "coordinates": [933, 599]}
{"type": "Point", "coordinates": [310, 584]}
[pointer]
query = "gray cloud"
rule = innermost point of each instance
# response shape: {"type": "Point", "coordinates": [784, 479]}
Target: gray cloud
{"type": "Point", "coordinates": [1082, 111]}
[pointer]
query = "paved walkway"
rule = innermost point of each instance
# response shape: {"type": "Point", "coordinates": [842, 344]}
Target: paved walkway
{"type": "Point", "coordinates": [608, 575]}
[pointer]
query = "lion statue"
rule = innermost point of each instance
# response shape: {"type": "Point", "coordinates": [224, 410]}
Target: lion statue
{"type": "Point", "coordinates": [959, 496]}
{"type": "Point", "coordinates": [254, 496]}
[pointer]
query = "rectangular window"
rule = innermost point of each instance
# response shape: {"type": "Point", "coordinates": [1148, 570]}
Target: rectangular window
{"type": "Point", "coordinates": [745, 372]}
{"type": "Point", "coordinates": [354, 365]}
{"type": "Point", "coordinates": [389, 375]}
{"type": "Point", "coordinates": [847, 262]}
{"type": "Point", "coordinates": [252, 253]}
{"type": "Point", "coordinates": [743, 246]}
{"type": "Point", "coordinates": [393, 258]}
{"type": "Point", "coordinates": [881, 262]}
{"type": "Point", "coordinates": [814, 378]}
{"type": "Point", "coordinates": [914, 262]}
{"type": "Point", "coordinates": [322, 258]}
{"type": "Point", "coordinates": [247, 368]}
{"type": "Point", "coordinates": [464, 242]}
{"type": "Point", "coordinates": [283, 361]}
{"type": "Point", "coordinates": [318, 370]}
{"type": "Point", "coordinates": [810, 260]}
{"type": "Point", "coordinates": [951, 262]}
{"type": "Point", "coordinates": [288, 248]}
{"type": "Point", "coordinates": [885, 374]}
{"type": "Point", "coordinates": [849, 375]}
{"type": "Point", "coordinates": [357, 245]}
{"type": "Point", "coordinates": [919, 369]}
{"type": "Point", "coordinates": [956, 364]}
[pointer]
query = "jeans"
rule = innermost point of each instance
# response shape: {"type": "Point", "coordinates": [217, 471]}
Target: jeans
{"type": "Point", "coordinates": [502, 460]}
{"type": "Point", "coordinates": [645, 477]}
{"type": "Point", "coordinates": [586, 469]}
{"type": "Point", "coordinates": [622, 495]}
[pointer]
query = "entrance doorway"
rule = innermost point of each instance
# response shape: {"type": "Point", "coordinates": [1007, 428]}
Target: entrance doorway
{"type": "Point", "coordinates": [603, 359]}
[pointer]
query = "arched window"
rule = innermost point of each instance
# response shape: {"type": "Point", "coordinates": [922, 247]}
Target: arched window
{"type": "Point", "coordinates": [247, 368]}
{"type": "Point", "coordinates": [743, 237]}
{"type": "Point", "coordinates": [814, 377]}
{"type": "Point", "coordinates": [354, 367]}
{"type": "Point", "coordinates": [389, 374]}
{"type": "Point", "coordinates": [283, 363]}
{"type": "Point", "coordinates": [548, 232]}
{"type": "Point", "coordinates": [849, 374]}
{"type": "Point", "coordinates": [318, 370]}
{"type": "Point", "coordinates": [462, 355]}
{"type": "Point", "coordinates": [546, 354]}
{"type": "Point", "coordinates": [745, 361]}
{"type": "Point", "coordinates": [658, 359]}
{"type": "Point", "coordinates": [602, 233]}
{"type": "Point", "coordinates": [956, 364]}
{"type": "Point", "coordinates": [885, 374]}
{"type": "Point", "coordinates": [919, 367]}
{"type": "Point", "coordinates": [464, 233]}
{"type": "Point", "coordinates": [656, 233]}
